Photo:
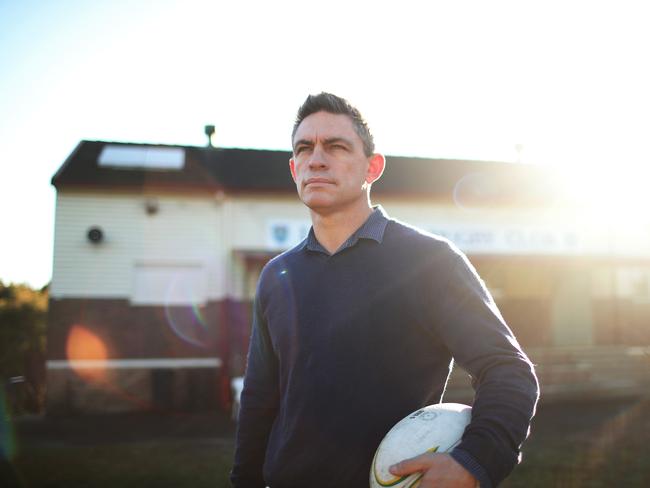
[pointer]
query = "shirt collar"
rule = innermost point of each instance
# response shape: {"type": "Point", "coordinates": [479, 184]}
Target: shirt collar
{"type": "Point", "coordinates": [373, 228]}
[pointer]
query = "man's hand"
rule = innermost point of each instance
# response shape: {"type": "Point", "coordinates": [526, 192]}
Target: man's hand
{"type": "Point", "coordinates": [440, 471]}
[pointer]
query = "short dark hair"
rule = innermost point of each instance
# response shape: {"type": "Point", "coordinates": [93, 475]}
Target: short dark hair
{"type": "Point", "coordinates": [327, 102]}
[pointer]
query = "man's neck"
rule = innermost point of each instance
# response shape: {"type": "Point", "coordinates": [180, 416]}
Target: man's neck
{"type": "Point", "coordinates": [333, 229]}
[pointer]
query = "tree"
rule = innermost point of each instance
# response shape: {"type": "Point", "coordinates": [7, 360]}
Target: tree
{"type": "Point", "coordinates": [23, 312]}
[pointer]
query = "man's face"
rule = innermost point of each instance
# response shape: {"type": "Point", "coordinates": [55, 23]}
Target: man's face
{"type": "Point", "coordinates": [329, 166]}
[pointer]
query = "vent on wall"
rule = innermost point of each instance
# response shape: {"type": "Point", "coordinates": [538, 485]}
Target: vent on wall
{"type": "Point", "coordinates": [161, 158]}
{"type": "Point", "coordinates": [95, 235]}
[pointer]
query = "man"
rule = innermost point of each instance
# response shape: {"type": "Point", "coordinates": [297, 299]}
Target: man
{"type": "Point", "coordinates": [356, 327]}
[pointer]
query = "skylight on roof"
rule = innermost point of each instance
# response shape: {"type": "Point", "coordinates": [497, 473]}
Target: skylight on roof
{"type": "Point", "coordinates": [167, 158]}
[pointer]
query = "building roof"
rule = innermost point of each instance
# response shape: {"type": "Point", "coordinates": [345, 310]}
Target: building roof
{"type": "Point", "coordinates": [233, 170]}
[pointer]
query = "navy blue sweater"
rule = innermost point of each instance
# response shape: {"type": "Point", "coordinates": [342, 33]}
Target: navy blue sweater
{"type": "Point", "coordinates": [345, 345]}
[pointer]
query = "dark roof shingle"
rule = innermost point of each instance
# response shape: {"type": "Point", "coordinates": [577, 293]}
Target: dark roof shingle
{"type": "Point", "coordinates": [250, 170]}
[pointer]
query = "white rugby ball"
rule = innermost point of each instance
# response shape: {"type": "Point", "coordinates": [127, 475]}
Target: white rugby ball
{"type": "Point", "coordinates": [436, 428]}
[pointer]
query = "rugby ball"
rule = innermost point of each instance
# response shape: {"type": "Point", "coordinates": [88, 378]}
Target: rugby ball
{"type": "Point", "coordinates": [436, 428]}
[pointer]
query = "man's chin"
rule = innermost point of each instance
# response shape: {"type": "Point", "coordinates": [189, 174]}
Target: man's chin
{"type": "Point", "coordinates": [318, 206]}
{"type": "Point", "coordinates": [323, 204]}
{"type": "Point", "coordinates": [316, 198]}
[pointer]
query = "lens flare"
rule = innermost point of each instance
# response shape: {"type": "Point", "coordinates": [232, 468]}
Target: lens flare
{"type": "Point", "coordinates": [184, 315]}
{"type": "Point", "coordinates": [87, 353]}
{"type": "Point", "coordinates": [475, 189]}
{"type": "Point", "coordinates": [187, 323]}
{"type": "Point", "coordinates": [88, 356]}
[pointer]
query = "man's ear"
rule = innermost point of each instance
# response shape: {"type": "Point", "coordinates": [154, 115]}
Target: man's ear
{"type": "Point", "coordinates": [292, 169]}
{"type": "Point", "coordinates": [376, 165]}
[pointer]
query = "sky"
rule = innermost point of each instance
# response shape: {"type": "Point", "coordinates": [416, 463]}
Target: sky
{"type": "Point", "coordinates": [465, 79]}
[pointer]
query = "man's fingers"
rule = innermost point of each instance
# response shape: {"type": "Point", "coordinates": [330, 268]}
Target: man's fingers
{"type": "Point", "coordinates": [412, 465]}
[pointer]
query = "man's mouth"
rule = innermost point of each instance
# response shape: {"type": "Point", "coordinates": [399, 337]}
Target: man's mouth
{"type": "Point", "coordinates": [318, 180]}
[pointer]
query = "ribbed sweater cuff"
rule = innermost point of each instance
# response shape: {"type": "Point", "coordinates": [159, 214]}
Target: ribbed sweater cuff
{"type": "Point", "coordinates": [469, 463]}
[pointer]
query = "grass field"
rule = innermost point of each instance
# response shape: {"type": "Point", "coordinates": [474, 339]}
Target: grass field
{"type": "Point", "coordinates": [587, 445]}
{"type": "Point", "coordinates": [605, 444]}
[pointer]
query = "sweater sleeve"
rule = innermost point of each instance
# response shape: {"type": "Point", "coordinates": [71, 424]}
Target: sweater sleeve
{"type": "Point", "coordinates": [259, 404]}
{"type": "Point", "coordinates": [506, 388]}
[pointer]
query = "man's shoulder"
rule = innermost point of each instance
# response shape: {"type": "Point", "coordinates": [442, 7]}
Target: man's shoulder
{"type": "Point", "coordinates": [281, 263]}
{"type": "Point", "coordinates": [409, 236]}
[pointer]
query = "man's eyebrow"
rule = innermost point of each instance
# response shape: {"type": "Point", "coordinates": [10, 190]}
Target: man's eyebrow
{"type": "Point", "coordinates": [334, 140]}
{"type": "Point", "coordinates": [328, 141]}
{"type": "Point", "coordinates": [304, 142]}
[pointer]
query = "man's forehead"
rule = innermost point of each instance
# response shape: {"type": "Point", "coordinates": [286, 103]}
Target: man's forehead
{"type": "Point", "coordinates": [324, 125]}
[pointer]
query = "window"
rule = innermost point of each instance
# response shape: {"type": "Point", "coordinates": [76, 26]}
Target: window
{"type": "Point", "coordinates": [169, 284]}
{"type": "Point", "coordinates": [131, 156]}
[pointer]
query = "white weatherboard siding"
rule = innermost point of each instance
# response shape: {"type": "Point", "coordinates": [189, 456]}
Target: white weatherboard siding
{"type": "Point", "coordinates": [190, 242]}
{"type": "Point", "coordinates": [82, 269]}
{"type": "Point", "coordinates": [184, 239]}
{"type": "Point", "coordinates": [185, 232]}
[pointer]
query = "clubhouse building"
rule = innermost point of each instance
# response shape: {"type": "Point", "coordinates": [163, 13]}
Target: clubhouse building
{"type": "Point", "coordinates": [157, 251]}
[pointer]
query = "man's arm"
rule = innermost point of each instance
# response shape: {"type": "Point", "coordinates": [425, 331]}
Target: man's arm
{"type": "Point", "coordinates": [506, 388]}
{"type": "Point", "coordinates": [259, 403]}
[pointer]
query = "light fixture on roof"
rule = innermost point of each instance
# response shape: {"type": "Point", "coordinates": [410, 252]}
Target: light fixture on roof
{"type": "Point", "coordinates": [209, 131]}
{"type": "Point", "coordinates": [520, 149]}
{"type": "Point", "coordinates": [219, 196]}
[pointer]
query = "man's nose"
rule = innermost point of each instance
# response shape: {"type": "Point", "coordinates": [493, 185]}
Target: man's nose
{"type": "Point", "coordinates": [318, 159]}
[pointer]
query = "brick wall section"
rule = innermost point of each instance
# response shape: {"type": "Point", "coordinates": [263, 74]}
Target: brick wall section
{"type": "Point", "coordinates": [134, 390]}
{"type": "Point", "coordinates": [143, 332]}
{"type": "Point", "coordinates": [136, 332]}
